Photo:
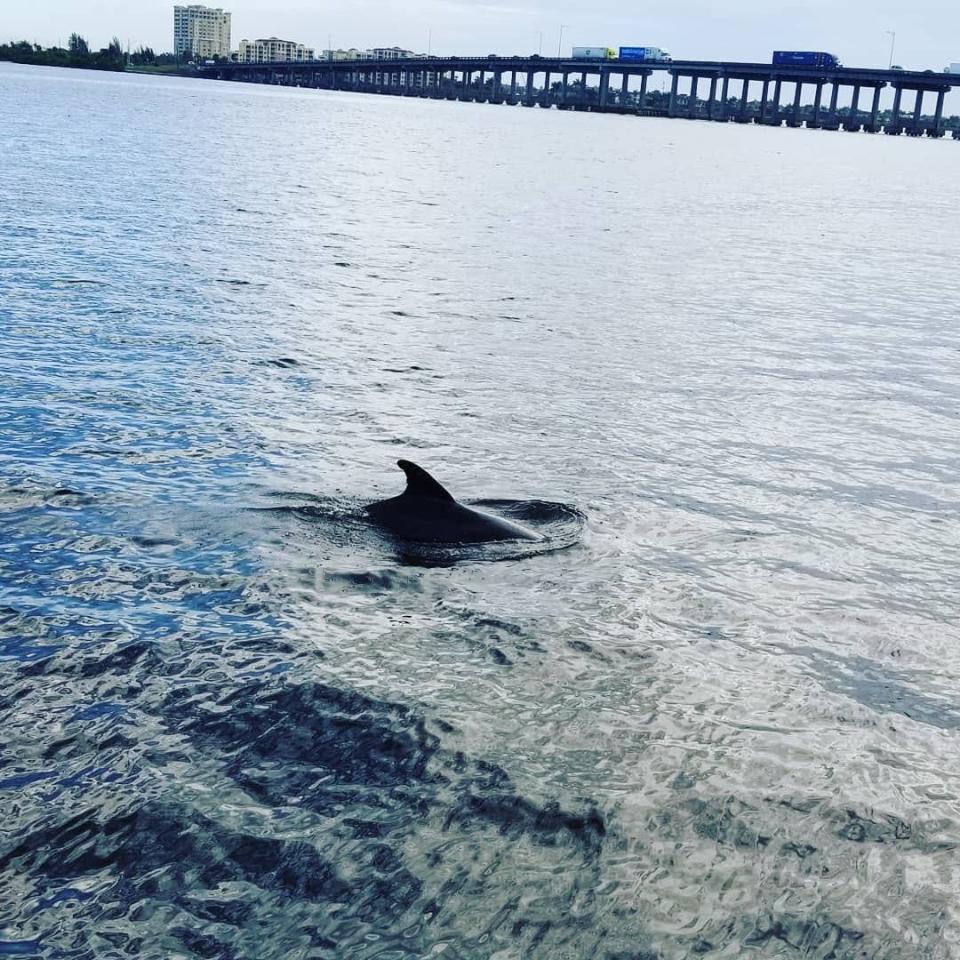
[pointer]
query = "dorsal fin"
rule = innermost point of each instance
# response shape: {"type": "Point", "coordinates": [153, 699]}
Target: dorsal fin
{"type": "Point", "coordinates": [420, 483]}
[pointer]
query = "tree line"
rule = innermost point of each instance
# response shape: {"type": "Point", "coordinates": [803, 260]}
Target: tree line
{"type": "Point", "coordinates": [78, 54]}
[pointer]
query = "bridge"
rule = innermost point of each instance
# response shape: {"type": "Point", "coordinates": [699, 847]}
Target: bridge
{"type": "Point", "coordinates": [621, 86]}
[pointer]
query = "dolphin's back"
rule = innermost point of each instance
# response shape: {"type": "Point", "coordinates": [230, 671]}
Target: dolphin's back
{"type": "Point", "coordinates": [427, 512]}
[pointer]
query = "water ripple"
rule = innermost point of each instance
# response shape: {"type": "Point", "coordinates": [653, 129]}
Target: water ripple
{"type": "Point", "coordinates": [717, 716]}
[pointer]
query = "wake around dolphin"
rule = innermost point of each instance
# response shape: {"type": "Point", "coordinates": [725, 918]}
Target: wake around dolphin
{"type": "Point", "coordinates": [425, 512]}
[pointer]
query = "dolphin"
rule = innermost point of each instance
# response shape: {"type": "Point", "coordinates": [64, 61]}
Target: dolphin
{"type": "Point", "coordinates": [427, 513]}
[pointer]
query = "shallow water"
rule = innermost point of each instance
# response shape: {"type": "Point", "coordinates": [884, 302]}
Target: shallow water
{"type": "Point", "coordinates": [722, 721]}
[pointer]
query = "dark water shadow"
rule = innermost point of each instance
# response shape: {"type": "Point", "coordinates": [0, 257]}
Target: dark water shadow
{"type": "Point", "coordinates": [343, 522]}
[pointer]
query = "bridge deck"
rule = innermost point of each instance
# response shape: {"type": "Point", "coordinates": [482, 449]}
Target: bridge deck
{"type": "Point", "coordinates": [928, 79]}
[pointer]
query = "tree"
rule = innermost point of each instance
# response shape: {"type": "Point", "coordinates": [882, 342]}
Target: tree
{"type": "Point", "coordinates": [143, 56]}
{"type": "Point", "coordinates": [78, 46]}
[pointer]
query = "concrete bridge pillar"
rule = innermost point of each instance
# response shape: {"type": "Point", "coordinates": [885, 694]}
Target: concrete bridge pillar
{"type": "Point", "coordinates": [817, 104]}
{"type": "Point", "coordinates": [643, 89]}
{"type": "Point", "coordinates": [744, 98]}
{"type": "Point", "coordinates": [711, 103]}
{"type": "Point", "coordinates": [692, 99]}
{"type": "Point", "coordinates": [764, 94]}
{"type": "Point", "coordinates": [938, 116]}
{"type": "Point", "coordinates": [624, 88]}
{"type": "Point", "coordinates": [563, 89]}
{"type": "Point", "coordinates": [797, 97]}
{"type": "Point", "coordinates": [918, 112]}
{"type": "Point", "coordinates": [893, 127]}
{"type": "Point", "coordinates": [513, 85]}
{"type": "Point", "coordinates": [529, 89]}
{"type": "Point", "coordinates": [672, 106]}
{"type": "Point", "coordinates": [833, 99]}
{"type": "Point", "coordinates": [775, 111]}
{"type": "Point", "coordinates": [604, 87]}
{"type": "Point", "coordinates": [875, 108]}
{"type": "Point", "coordinates": [853, 123]}
{"type": "Point", "coordinates": [546, 88]}
{"type": "Point", "coordinates": [724, 99]}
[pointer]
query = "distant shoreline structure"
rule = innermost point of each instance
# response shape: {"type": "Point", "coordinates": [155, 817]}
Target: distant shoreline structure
{"type": "Point", "coordinates": [603, 84]}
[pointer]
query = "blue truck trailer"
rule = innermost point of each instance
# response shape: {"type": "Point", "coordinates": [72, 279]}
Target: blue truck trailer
{"type": "Point", "coordinates": [644, 54]}
{"type": "Point", "coordinates": [803, 58]}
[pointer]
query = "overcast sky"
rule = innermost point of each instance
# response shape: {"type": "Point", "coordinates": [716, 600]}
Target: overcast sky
{"type": "Point", "coordinates": [927, 31]}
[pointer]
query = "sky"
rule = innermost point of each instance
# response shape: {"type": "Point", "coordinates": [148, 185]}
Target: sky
{"type": "Point", "coordinates": [927, 31]}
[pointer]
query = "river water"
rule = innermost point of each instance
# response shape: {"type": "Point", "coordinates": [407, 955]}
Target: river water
{"type": "Point", "coordinates": [236, 723]}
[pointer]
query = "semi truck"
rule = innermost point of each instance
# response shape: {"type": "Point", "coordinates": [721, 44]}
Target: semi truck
{"type": "Point", "coordinates": [803, 58]}
{"type": "Point", "coordinates": [594, 53]}
{"type": "Point", "coordinates": [644, 54]}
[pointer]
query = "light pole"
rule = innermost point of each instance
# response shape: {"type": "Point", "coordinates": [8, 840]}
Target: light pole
{"type": "Point", "coordinates": [893, 40]}
{"type": "Point", "coordinates": [563, 27]}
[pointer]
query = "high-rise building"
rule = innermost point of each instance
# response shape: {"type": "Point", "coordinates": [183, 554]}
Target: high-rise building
{"type": "Point", "coordinates": [201, 32]}
{"type": "Point", "coordinates": [271, 50]}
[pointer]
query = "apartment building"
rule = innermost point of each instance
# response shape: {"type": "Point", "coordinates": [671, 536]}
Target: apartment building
{"type": "Point", "coordinates": [392, 53]}
{"type": "Point", "coordinates": [272, 50]}
{"type": "Point", "coordinates": [382, 76]}
{"type": "Point", "coordinates": [352, 54]}
{"type": "Point", "coordinates": [201, 32]}
{"type": "Point", "coordinates": [397, 53]}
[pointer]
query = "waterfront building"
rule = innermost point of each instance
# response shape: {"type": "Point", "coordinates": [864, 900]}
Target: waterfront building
{"type": "Point", "coordinates": [352, 54]}
{"type": "Point", "coordinates": [398, 53]}
{"type": "Point", "coordinates": [381, 77]}
{"type": "Point", "coordinates": [272, 50]}
{"type": "Point", "coordinates": [201, 32]}
{"type": "Point", "coordinates": [392, 53]}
